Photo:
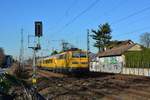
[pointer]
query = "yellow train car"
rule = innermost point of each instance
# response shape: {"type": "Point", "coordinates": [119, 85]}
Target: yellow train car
{"type": "Point", "coordinates": [68, 61]}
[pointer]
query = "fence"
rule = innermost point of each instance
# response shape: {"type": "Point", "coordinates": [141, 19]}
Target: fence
{"type": "Point", "coordinates": [96, 67]}
{"type": "Point", "coordinates": [136, 71]}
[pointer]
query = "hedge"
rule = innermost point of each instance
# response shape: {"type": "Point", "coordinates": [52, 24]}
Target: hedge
{"type": "Point", "coordinates": [138, 59]}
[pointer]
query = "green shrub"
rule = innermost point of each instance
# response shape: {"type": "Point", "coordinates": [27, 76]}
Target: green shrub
{"type": "Point", "coordinates": [138, 59]}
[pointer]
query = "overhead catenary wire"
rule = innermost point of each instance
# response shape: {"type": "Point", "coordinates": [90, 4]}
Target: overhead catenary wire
{"type": "Point", "coordinates": [108, 13]}
{"type": "Point", "coordinates": [84, 11]}
{"type": "Point", "coordinates": [74, 2]}
{"type": "Point", "coordinates": [79, 15]}
{"type": "Point", "coordinates": [71, 7]}
{"type": "Point", "coordinates": [117, 21]}
{"type": "Point", "coordinates": [114, 8]}
{"type": "Point", "coordinates": [131, 15]}
{"type": "Point", "coordinates": [66, 12]}
{"type": "Point", "coordinates": [134, 31]}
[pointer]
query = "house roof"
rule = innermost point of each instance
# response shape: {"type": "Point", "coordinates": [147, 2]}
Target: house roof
{"type": "Point", "coordinates": [116, 50]}
{"type": "Point", "coordinates": [117, 43]}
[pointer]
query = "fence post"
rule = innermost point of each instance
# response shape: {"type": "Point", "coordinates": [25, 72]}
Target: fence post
{"type": "Point", "coordinates": [148, 71]}
{"type": "Point", "coordinates": [138, 71]}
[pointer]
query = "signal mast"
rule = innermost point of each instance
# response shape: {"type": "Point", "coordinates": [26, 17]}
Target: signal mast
{"type": "Point", "coordinates": [36, 47]}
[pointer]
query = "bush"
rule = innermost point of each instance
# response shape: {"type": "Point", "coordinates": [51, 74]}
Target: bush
{"type": "Point", "coordinates": [20, 73]}
{"type": "Point", "coordinates": [138, 59]}
{"type": "Point", "coordinates": [4, 84]}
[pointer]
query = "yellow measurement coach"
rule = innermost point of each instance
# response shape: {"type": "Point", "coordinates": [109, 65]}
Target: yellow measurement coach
{"type": "Point", "coordinates": [68, 61]}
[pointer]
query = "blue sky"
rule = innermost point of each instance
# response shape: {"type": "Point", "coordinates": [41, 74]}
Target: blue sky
{"type": "Point", "coordinates": [55, 14]}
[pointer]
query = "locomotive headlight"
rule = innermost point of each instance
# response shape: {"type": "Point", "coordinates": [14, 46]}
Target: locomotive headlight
{"type": "Point", "coordinates": [74, 62]}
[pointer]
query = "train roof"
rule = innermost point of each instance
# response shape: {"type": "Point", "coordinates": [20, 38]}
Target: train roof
{"type": "Point", "coordinates": [56, 55]}
{"type": "Point", "coordinates": [51, 56]}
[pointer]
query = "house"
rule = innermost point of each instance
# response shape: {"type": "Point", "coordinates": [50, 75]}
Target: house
{"type": "Point", "coordinates": [113, 59]}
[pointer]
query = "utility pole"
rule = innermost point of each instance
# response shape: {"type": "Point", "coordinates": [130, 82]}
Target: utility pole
{"type": "Point", "coordinates": [64, 45]}
{"type": "Point", "coordinates": [21, 56]}
{"type": "Point", "coordinates": [88, 47]}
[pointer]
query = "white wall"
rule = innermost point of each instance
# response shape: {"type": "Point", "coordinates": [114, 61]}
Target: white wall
{"type": "Point", "coordinates": [136, 71]}
{"type": "Point", "coordinates": [108, 64]}
{"type": "Point", "coordinates": [116, 65]}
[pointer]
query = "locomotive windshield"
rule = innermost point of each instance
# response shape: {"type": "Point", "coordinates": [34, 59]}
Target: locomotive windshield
{"type": "Point", "coordinates": [79, 55]}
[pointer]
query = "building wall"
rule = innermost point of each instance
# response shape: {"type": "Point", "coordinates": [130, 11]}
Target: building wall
{"type": "Point", "coordinates": [115, 64]}
{"type": "Point", "coordinates": [135, 48]}
{"type": "Point", "coordinates": [108, 64]}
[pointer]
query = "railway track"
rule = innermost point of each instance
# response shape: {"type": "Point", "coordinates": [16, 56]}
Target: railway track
{"type": "Point", "coordinates": [94, 86]}
{"type": "Point", "coordinates": [89, 74]}
{"type": "Point", "coordinates": [46, 73]}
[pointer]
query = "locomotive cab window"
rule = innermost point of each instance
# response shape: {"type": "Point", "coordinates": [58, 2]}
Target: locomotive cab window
{"type": "Point", "coordinates": [63, 56]}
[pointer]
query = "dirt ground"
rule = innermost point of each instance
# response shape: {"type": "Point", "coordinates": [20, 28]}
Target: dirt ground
{"type": "Point", "coordinates": [96, 86]}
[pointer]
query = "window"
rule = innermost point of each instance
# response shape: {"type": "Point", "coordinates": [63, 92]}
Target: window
{"type": "Point", "coordinates": [47, 61]}
{"type": "Point", "coordinates": [76, 55]}
{"type": "Point", "coordinates": [83, 55]}
{"type": "Point", "coordinates": [63, 56]}
{"type": "Point", "coordinates": [79, 55]}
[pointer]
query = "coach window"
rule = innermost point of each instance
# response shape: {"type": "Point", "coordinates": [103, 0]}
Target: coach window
{"type": "Point", "coordinates": [76, 55]}
{"type": "Point", "coordinates": [43, 61]}
{"type": "Point", "coordinates": [47, 61]}
{"type": "Point", "coordinates": [50, 61]}
{"type": "Point", "coordinates": [83, 55]}
{"type": "Point", "coordinates": [63, 56]}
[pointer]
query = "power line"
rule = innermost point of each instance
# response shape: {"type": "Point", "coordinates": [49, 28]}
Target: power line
{"type": "Point", "coordinates": [108, 13]}
{"type": "Point", "coordinates": [131, 15]}
{"type": "Point", "coordinates": [80, 14]}
{"type": "Point", "coordinates": [66, 13]}
{"type": "Point", "coordinates": [84, 11]}
{"type": "Point", "coordinates": [136, 20]}
{"type": "Point", "coordinates": [114, 8]}
{"type": "Point", "coordinates": [134, 31]}
{"type": "Point", "coordinates": [70, 7]}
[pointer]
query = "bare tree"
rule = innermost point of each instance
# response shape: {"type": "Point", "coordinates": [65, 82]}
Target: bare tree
{"type": "Point", "coordinates": [145, 39]}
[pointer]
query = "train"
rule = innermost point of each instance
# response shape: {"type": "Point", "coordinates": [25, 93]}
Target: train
{"type": "Point", "coordinates": [72, 61]}
{"type": "Point", "coordinates": [7, 62]}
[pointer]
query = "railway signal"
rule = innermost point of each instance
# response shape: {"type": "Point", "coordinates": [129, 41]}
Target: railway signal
{"type": "Point", "coordinates": [35, 47]}
{"type": "Point", "coordinates": [38, 29]}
